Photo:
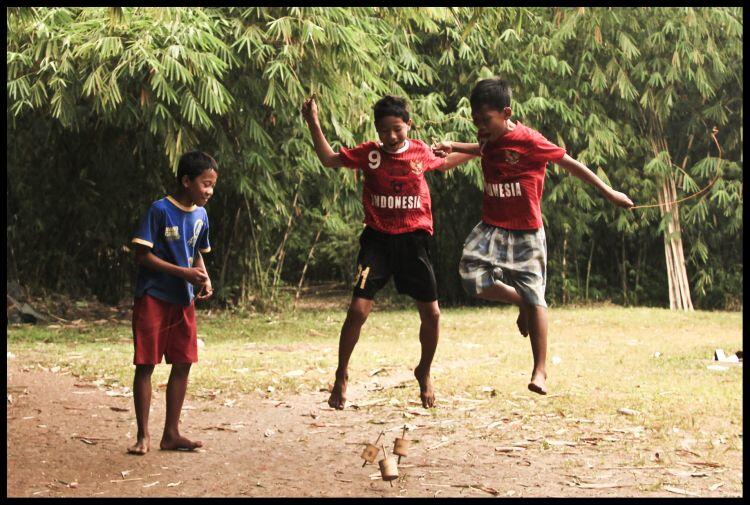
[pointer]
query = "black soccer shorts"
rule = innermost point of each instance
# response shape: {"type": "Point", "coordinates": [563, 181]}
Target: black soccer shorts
{"type": "Point", "coordinates": [406, 256]}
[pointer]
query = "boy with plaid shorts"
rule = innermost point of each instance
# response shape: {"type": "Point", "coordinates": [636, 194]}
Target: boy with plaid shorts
{"type": "Point", "coordinates": [505, 255]}
{"type": "Point", "coordinates": [398, 220]}
{"type": "Point", "coordinates": [169, 244]}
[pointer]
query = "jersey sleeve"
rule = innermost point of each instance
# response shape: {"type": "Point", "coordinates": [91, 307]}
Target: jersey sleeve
{"type": "Point", "coordinates": [203, 245]}
{"type": "Point", "coordinates": [356, 157]}
{"type": "Point", "coordinates": [148, 228]}
{"type": "Point", "coordinates": [544, 150]}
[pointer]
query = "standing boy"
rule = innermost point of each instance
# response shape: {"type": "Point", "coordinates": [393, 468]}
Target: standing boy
{"type": "Point", "coordinates": [398, 220]}
{"type": "Point", "coordinates": [169, 242]}
{"type": "Point", "coordinates": [505, 255]}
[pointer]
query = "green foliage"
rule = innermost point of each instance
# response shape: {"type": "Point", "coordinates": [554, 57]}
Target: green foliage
{"type": "Point", "coordinates": [102, 102]}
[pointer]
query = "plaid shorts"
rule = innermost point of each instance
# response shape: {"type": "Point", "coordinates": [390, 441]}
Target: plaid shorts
{"type": "Point", "coordinates": [517, 258]}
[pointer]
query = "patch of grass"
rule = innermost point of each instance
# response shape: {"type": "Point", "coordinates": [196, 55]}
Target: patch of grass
{"type": "Point", "coordinates": [604, 359]}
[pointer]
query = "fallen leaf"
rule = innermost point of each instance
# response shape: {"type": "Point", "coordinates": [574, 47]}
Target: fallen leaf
{"type": "Point", "coordinates": [559, 443]}
{"type": "Point", "coordinates": [678, 490]}
{"type": "Point", "coordinates": [598, 485]}
{"type": "Point", "coordinates": [714, 487]}
{"type": "Point", "coordinates": [120, 409]}
{"type": "Point", "coordinates": [628, 412]}
{"type": "Point", "coordinates": [717, 368]}
{"type": "Point", "coordinates": [705, 463]}
{"type": "Point", "coordinates": [377, 371]}
{"type": "Point", "coordinates": [509, 449]}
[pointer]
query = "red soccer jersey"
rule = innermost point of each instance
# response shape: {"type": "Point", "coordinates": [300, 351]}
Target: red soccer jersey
{"type": "Point", "coordinates": [396, 197]}
{"type": "Point", "coordinates": [514, 167]}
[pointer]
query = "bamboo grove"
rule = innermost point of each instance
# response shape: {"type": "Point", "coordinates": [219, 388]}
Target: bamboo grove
{"type": "Point", "coordinates": [102, 101]}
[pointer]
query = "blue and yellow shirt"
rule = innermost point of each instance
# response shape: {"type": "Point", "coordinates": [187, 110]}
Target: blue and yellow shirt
{"type": "Point", "coordinates": [174, 233]}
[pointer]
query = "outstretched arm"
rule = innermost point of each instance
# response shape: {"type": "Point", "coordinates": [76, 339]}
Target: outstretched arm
{"type": "Point", "coordinates": [454, 159]}
{"type": "Point", "coordinates": [447, 147]}
{"type": "Point", "coordinates": [579, 170]}
{"type": "Point", "coordinates": [326, 155]}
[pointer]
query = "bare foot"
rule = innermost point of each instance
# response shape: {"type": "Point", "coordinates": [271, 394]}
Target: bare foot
{"type": "Point", "coordinates": [141, 446]}
{"type": "Point", "coordinates": [426, 393]}
{"type": "Point", "coordinates": [523, 320]}
{"type": "Point", "coordinates": [537, 384]}
{"type": "Point", "coordinates": [337, 400]}
{"type": "Point", "coordinates": [178, 443]}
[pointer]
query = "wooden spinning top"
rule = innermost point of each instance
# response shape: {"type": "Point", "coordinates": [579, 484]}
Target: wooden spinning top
{"type": "Point", "coordinates": [401, 446]}
{"type": "Point", "coordinates": [371, 451]}
{"type": "Point", "coordinates": [388, 468]}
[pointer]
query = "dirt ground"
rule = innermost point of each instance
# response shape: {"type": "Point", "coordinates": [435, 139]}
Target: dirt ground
{"type": "Point", "coordinates": [68, 438]}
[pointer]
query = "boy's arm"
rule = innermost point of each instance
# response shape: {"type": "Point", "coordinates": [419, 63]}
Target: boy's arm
{"type": "Point", "coordinates": [454, 159]}
{"type": "Point", "coordinates": [579, 170]}
{"type": "Point", "coordinates": [206, 289]}
{"type": "Point", "coordinates": [447, 147]}
{"type": "Point", "coordinates": [194, 275]}
{"type": "Point", "coordinates": [326, 155]}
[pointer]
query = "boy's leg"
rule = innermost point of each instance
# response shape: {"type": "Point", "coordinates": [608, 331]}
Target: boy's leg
{"type": "Point", "coordinates": [176, 387]}
{"type": "Point", "coordinates": [500, 292]}
{"type": "Point", "coordinates": [359, 309]}
{"type": "Point", "coordinates": [142, 401]}
{"type": "Point", "coordinates": [538, 337]}
{"type": "Point", "coordinates": [429, 333]}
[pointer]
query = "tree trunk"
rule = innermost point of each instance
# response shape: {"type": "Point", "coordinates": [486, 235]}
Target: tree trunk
{"type": "Point", "coordinates": [588, 268]}
{"type": "Point", "coordinates": [312, 250]}
{"type": "Point", "coordinates": [564, 265]}
{"type": "Point", "coordinates": [679, 289]}
{"type": "Point", "coordinates": [624, 269]}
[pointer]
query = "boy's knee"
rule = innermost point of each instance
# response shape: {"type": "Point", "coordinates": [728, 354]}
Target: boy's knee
{"type": "Point", "coordinates": [431, 315]}
{"type": "Point", "coordinates": [144, 371]}
{"type": "Point", "coordinates": [356, 316]}
{"type": "Point", "coordinates": [180, 368]}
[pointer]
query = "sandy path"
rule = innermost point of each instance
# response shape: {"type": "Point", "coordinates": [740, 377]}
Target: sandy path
{"type": "Point", "coordinates": [300, 447]}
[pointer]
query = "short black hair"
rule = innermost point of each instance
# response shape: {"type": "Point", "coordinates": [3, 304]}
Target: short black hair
{"type": "Point", "coordinates": [193, 163]}
{"type": "Point", "coordinates": [493, 92]}
{"type": "Point", "coordinates": [391, 105]}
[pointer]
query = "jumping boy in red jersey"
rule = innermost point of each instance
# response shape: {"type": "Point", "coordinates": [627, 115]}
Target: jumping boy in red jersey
{"type": "Point", "coordinates": [398, 221]}
{"type": "Point", "coordinates": [505, 255]}
{"type": "Point", "coordinates": [169, 243]}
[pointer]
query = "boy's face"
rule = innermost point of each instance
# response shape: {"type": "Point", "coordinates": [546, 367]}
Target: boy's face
{"type": "Point", "coordinates": [201, 188]}
{"type": "Point", "coordinates": [392, 131]}
{"type": "Point", "coordinates": [490, 122]}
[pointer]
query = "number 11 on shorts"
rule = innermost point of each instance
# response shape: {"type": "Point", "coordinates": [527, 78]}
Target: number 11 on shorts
{"type": "Point", "coordinates": [361, 276]}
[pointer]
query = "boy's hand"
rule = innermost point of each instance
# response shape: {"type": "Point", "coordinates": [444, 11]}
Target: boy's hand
{"type": "Point", "coordinates": [206, 290]}
{"type": "Point", "coordinates": [442, 149]}
{"type": "Point", "coordinates": [196, 276]}
{"type": "Point", "coordinates": [310, 110]}
{"type": "Point", "coordinates": [620, 199]}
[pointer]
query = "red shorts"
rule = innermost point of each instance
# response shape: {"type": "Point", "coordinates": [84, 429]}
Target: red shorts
{"type": "Point", "coordinates": [166, 329]}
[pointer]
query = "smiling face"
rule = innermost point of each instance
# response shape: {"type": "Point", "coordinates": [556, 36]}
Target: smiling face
{"type": "Point", "coordinates": [392, 132]}
{"type": "Point", "coordinates": [490, 122]}
{"type": "Point", "coordinates": [200, 189]}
